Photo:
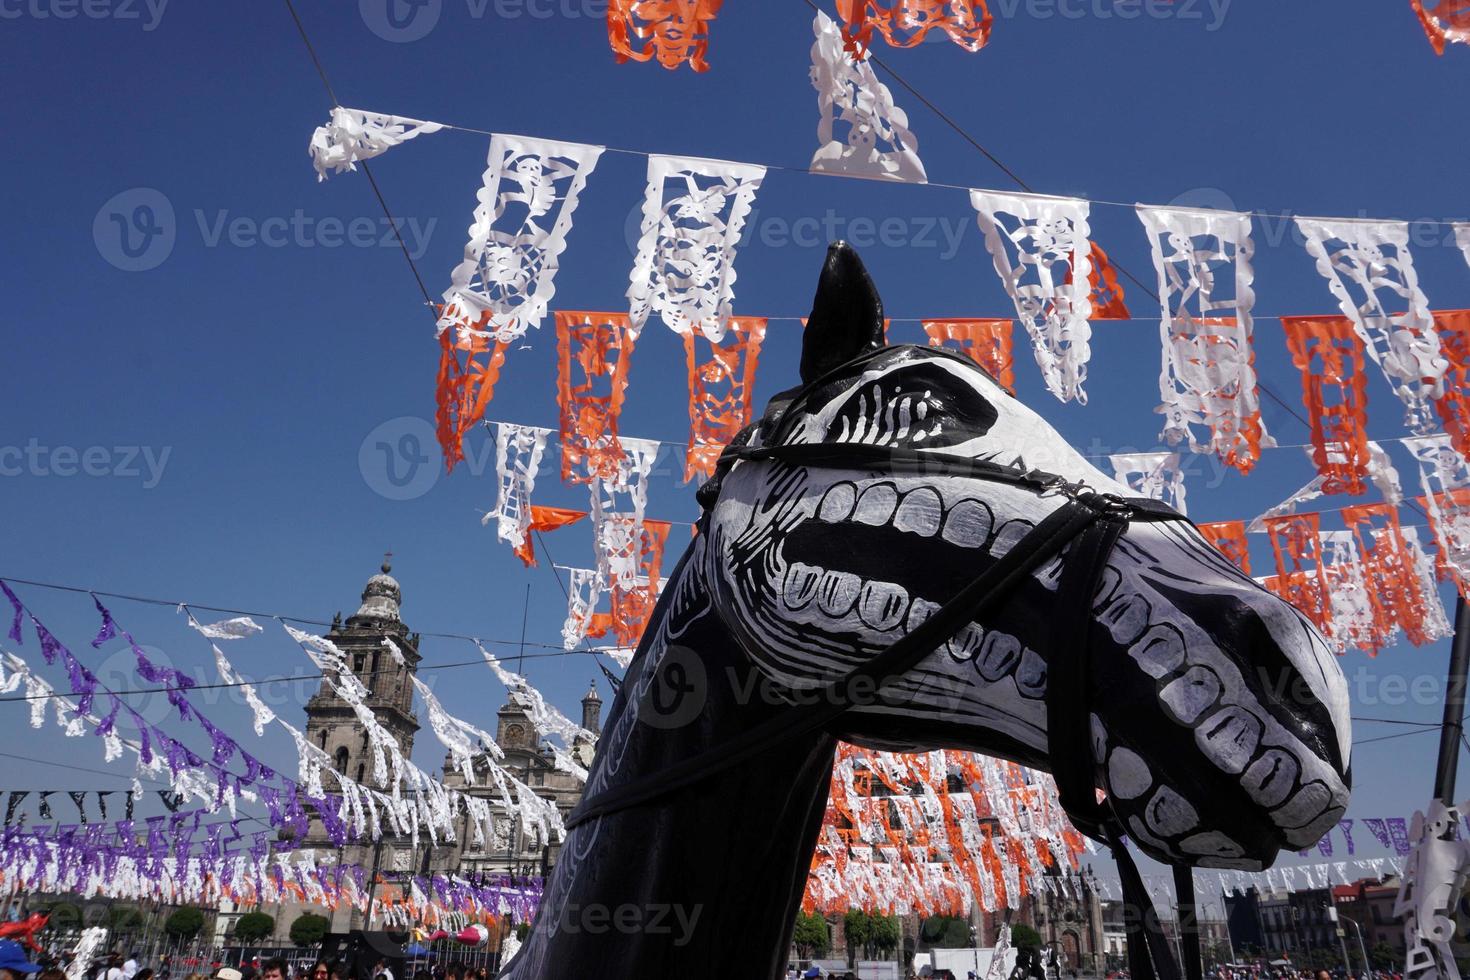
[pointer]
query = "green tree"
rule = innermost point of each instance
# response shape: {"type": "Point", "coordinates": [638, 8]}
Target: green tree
{"type": "Point", "coordinates": [253, 927]}
{"type": "Point", "coordinates": [1025, 937]}
{"type": "Point", "coordinates": [1385, 957]}
{"type": "Point", "coordinates": [186, 923]}
{"type": "Point", "coordinates": [309, 929]}
{"type": "Point", "coordinates": [872, 935]}
{"type": "Point", "coordinates": [886, 934]}
{"type": "Point", "coordinates": [811, 936]}
{"type": "Point", "coordinates": [945, 932]}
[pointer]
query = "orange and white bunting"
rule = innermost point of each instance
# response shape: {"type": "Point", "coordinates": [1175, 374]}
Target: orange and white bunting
{"type": "Point", "coordinates": [671, 32]}
{"type": "Point", "coordinates": [1444, 21]}
{"type": "Point", "coordinates": [1203, 263]}
{"type": "Point", "coordinates": [469, 367]}
{"type": "Point", "coordinates": [906, 23]}
{"type": "Point", "coordinates": [987, 342]}
{"type": "Point", "coordinates": [594, 352]}
{"type": "Point", "coordinates": [693, 215]}
{"type": "Point", "coordinates": [528, 194]}
{"type": "Point", "coordinates": [1329, 354]}
{"type": "Point", "coordinates": [1370, 272]}
{"type": "Point", "coordinates": [720, 389]}
{"type": "Point", "coordinates": [862, 132]}
{"type": "Point", "coordinates": [1042, 253]}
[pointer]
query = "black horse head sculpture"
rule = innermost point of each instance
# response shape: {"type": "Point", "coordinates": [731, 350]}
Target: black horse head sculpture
{"type": "Point", "coordinates": [1216, 716]}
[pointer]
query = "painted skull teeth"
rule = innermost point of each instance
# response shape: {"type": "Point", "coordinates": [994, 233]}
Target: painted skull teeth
{"type": "Point", "coordinates": [921, 511]}
{"type": "Point", "coordinates": [820, 570]}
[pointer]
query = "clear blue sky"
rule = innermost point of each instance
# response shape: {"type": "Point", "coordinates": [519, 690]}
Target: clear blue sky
{"type": "Point", "coordinates": [260, 370]}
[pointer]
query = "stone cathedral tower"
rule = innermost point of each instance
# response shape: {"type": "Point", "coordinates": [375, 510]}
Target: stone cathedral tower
{"type": "Point", "coordinates": [330, 723]}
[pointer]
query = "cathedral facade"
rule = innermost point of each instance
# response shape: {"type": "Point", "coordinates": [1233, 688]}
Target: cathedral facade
{"type": "Point", "coordinates": [332, 727]}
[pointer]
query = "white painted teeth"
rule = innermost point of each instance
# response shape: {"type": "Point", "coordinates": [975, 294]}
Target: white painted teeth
{"type": "Point", "coordinates": [837, 592]}
{"type": "Point", "coordinates": [882, 605]}
{"type": "Point", "coordinates": [837, 503]}
{"type": "Point", "coordinates": [920, 512]}
{"type": "Point", "coordinates": [919, 613]}
{"type": "Point", "coordinates": [968, 524]}
{"type": "Point", "coordinates": [876, 505]}
{"type": "Point", "coordinates": [799, 586]}
{"type": "Point", "coordinates": [964, 644]}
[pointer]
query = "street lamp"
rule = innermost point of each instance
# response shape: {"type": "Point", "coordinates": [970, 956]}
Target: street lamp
{"type": "Point", "coordinates": [1341, 938]}
{"type": "Point", "coordinates": [1367, 966]}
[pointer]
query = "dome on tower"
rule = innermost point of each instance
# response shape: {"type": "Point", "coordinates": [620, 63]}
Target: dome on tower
{"type": "Point", "coordinates": [382, 597]}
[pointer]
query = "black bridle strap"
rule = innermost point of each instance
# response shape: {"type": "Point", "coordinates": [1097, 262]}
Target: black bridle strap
{"type": "Point", "coordinates": [1042, 543]}
{"type": "Point", "coordinates": [1069, 747]}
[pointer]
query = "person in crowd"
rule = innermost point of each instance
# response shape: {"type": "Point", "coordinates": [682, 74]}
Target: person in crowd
{"type": "Point", "coordinates": [381, 970]}
{"type": "Point", "coordinates": [273, 969]}
{"type": "Point", "coordinates": [143, 974]}
{"type": "Point", "coordinates": [13, 962]}
{"type": "Point", "coordinates": [320, 970]}
{"type": "Point", "coordinates": [130, 966]}
{"type": "Point", "coordinates": [52, 974]}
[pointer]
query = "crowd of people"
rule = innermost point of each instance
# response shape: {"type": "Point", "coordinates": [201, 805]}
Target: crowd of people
{"type": "Point", "coordinates": [17, 964]}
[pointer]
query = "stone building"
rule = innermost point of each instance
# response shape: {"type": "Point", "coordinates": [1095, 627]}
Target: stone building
{"type": "Point", "coordinates": [332, 726]}
{"type": "Point", "coordinates": [512, 850]}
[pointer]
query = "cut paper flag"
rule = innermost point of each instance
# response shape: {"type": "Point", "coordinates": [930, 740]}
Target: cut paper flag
{"type": "Point", "coordinates": [518, 452]}
{"type": "Point", "coordinates": [1229, 538]}
{"type": "Point", "coordinates": [987, 342]}
{"type": "Point", "coordinates": [861, 133]}
{"type": "Point", "coordinates": [1153, 475]}
{"type": "Point", "coordinates": [544, 519]}
{"type": "Point", "coordinates": [1041, 251]}
{"type": "Point", "coordinates": [594, 351]}
{"type": "Point", "coordinates": [1445, 479]}
{"type": "Point", "coordinates": [693, 214]}
{"type": "Point", "coordinates": [1453, 407]}
{"type": "Point", "coordinates": [619, 502]}
{"type": "Point", "coordinates": [1444, 21]}
{"type": "Point", "coordinates": [673, 34]}
{"type": "Point", "coordinates": [1394, 599]}
{"type": "Point", "coordinates": [632, 606]}
{"type": "Point", "coordinates": [527, 197]}
{"type": "Point", "coordinates": [720, 389]}
{"type": "Point", "coordinates": [1329, 353]}
{"type": "Point", "coordinates": [469, 367]}
{"type": "Point", "coordinates": [584, 587]}
{"type": "Point", "coordinates": [1109, 302]}
{"type": "Point", "coordinates": [906, 23]}
{"type": "Point", "coordinates": [1370, 271]}
{"type": "Point", "coordinates": [1296, 543]}
{"type": "Point", "coordinates": [353, 134]}
{"type": "Point", "coordinates": [1203, 263]}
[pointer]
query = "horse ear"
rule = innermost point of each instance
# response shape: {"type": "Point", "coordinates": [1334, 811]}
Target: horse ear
{"type": "Point", "coordinates": [847, 314]}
